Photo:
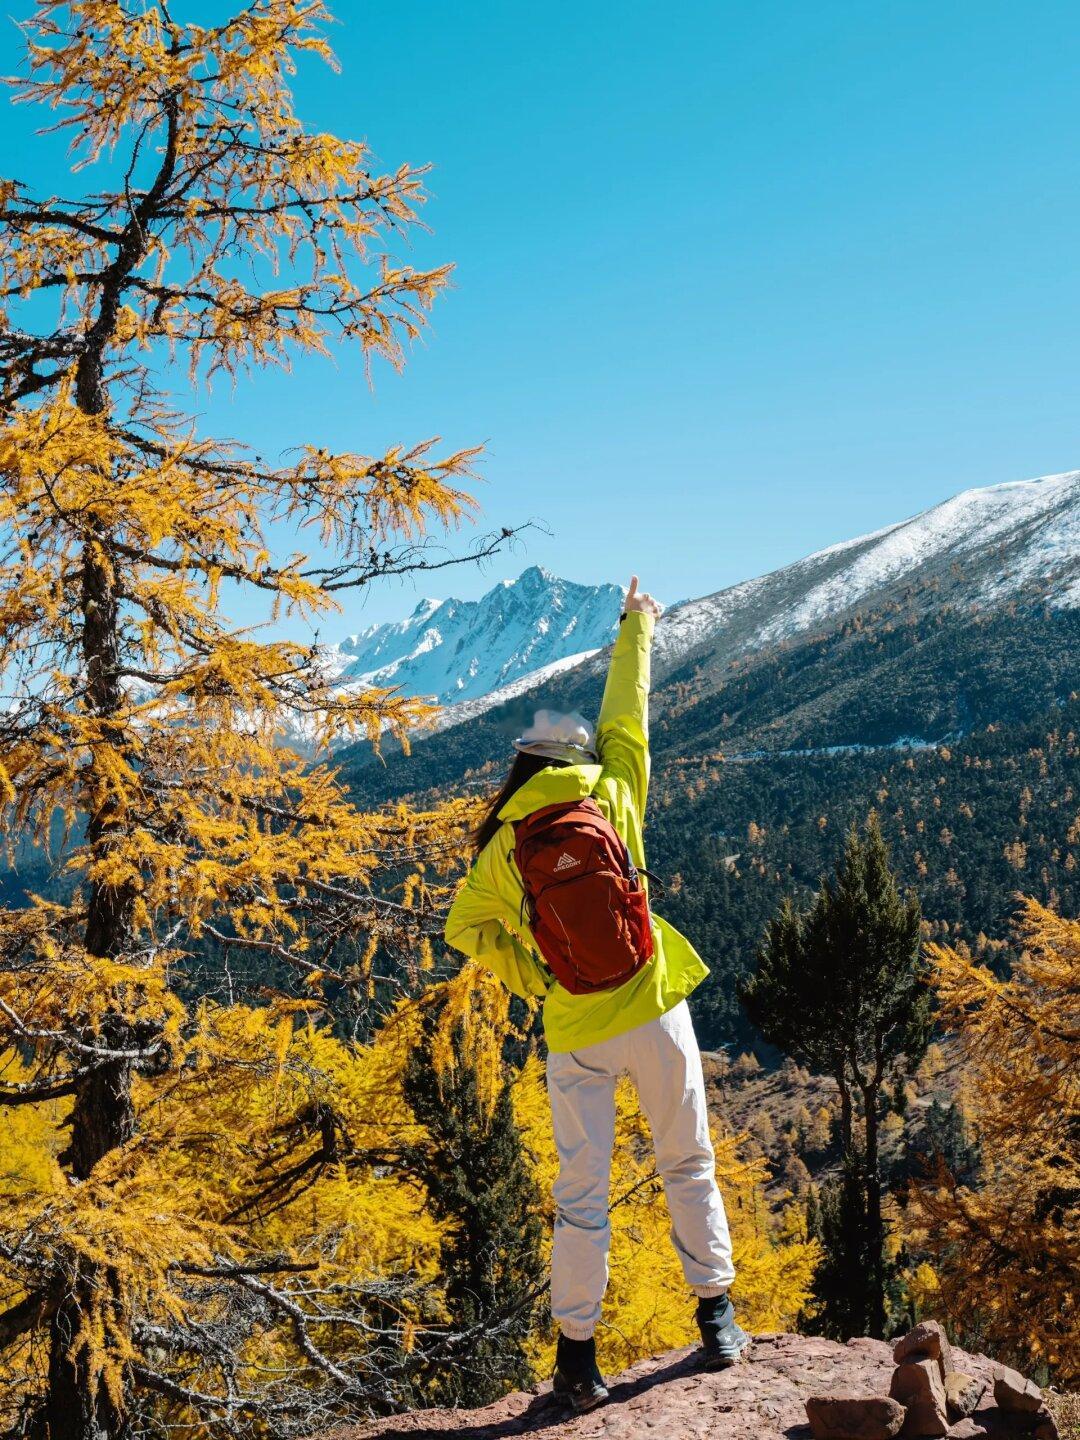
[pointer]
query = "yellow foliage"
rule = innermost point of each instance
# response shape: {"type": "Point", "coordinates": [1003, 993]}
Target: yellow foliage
{"type": "Point", "coordinates": [286, 1152]}
{"type": "Point", "coordinates": [144, 751]}
{"type": "Point", "coordinates": [1005, 1251]}
{"type": "Point", "coordinates": [923, 1288]}
{"type": "Point", "coordinates": [29, 1138]}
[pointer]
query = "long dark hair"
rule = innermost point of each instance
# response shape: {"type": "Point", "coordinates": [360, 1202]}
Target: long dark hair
{"type": "Point", "coordinates": [525, 766]}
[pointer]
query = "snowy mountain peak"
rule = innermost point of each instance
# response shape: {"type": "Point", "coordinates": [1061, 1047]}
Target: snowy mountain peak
{"type": "Point", "coordinates": [456, 650]}
{"type": "Point", "coordinates": [534, 577]}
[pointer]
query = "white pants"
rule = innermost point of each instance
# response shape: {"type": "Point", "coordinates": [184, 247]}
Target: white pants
{"type": "Point", "coordinates": [664, 1063]}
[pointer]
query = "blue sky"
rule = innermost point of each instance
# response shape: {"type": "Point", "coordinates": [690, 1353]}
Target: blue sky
{"type": "Point", "coordinates": [734, 281]}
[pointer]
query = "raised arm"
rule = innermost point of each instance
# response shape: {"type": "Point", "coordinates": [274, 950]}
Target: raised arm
{"type": "Point", "coordinates": [622, 732]}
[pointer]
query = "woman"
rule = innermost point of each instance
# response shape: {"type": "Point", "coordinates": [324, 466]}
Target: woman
{"type": "Point", "coordinates": [640, 1026]}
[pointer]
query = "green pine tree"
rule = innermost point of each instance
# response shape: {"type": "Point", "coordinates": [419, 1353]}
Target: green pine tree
{"type": "Point", "coordinates": [474, 1169]}
{"type": "Point", "coordinates": [837, 1220]}
{"type": "Point", "coordinates": [944, 1139]}
{"type": "Point", "coordinates": [841, 988]}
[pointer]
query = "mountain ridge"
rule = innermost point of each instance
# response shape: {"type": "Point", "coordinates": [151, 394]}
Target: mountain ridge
{"type": "Point", "coordinates": [1035, 524]}
{"type": "Point", "coordinates": [454, 649]}
{"type": "Point", "coordinates": [988, 545]}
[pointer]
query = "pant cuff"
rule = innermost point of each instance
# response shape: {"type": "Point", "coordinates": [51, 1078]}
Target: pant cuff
{"type": "Point", "coordinates": [574, 1331]}
{"type": "Point", "coordinates": [709, 1292]}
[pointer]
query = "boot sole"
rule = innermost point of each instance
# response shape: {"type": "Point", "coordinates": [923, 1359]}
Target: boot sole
{"type": "Point", "coordinates": [593, 1403]}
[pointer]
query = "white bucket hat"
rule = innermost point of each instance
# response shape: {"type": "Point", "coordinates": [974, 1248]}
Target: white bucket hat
{"type": "Point", "coordinates": [559, 737]}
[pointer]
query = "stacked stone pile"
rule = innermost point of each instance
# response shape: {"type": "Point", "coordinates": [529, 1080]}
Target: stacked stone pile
{"type": "Point", "coordinates": [930, 1396]}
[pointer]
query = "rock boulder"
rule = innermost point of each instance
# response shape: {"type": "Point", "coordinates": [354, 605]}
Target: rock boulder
{"type": "Point", "coordinates": [918, 1385]}
{"type": "Point", "coordinates": [928, 1338]}
{"type": "Point", "coordinates": [1013, 1392]}
{"type": "Point", "coordinates": [854, 1417]}
{"type": "Point", "coordinates": [962, 1393]}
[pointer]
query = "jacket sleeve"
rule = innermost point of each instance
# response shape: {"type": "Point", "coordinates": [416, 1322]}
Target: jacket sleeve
{"type": "Point", "coordinates": [622, 732]}
{"type": "Point", "coordinates": [474, 927]}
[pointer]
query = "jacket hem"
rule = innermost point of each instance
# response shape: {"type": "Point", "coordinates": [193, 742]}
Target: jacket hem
{"type": "Point", "coordinates": [633, 1022]}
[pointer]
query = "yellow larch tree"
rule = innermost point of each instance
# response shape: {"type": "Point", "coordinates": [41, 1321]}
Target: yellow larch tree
{"type": "Point", "coordinates": [141, 736]}
{"type": "Point", "coordinates": [1004, 1252]}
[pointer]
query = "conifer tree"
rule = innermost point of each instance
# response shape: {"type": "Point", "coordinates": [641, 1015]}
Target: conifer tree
{"type": "Point", "coordinates": [943, 1141]}
{"type": "Point", "coordinates": [1004, 1243]}
{"type": "Point", "coordinates": [841, 988]}
{"type": "Point", "coordinates": [836, 1218]}
{"type": "Point", "coordinates": [226, 237]}
{"type": "Point", "coordinates": [482, 1191]}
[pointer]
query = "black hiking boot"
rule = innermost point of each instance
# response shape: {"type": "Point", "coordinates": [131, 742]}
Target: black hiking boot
{"type": "Point", "coordinates": [577, 1381]}
{"type": "Point", "coordinates": [722, 1341]}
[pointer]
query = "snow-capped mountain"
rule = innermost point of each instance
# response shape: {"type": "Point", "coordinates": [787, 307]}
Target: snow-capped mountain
{"type": "Point", "coordinates": [455, 650]}
{"type": "Point", "coordinates": [928, 671]}
{"type": "Point", "coordinates": [983, 547]}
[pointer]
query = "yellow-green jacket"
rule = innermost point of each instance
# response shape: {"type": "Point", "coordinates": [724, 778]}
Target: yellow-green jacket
{"type": "Point", "coordinates": [485, 921]}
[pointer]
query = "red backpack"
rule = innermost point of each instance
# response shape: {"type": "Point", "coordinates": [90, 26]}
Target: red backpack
{"type": "Point", "coordinates": [587, 907]}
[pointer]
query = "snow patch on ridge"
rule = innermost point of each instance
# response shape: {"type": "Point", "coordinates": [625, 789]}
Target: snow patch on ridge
{"type": "Point", "coordinates": [996, 540]}
{"type": "Point", "coordinates": [467, 709]}
{"type": "Point", "coordinates": [452, 650]}
{"type": "Point", "coordinates": [969, 521]}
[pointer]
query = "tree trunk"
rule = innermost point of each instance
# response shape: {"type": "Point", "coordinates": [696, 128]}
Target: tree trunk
{"type": "Point", "coordinates": [875, 1228]}
{"type": "Point", "coordinates": [103, 1115]}
{"type": "Point", "coordinates": [846, 1142]}
{"type": "Point", "coordinates": [76, 1406]}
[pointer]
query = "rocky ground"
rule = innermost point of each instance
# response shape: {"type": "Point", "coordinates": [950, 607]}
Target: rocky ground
{"type": "Point", "coordinates": [669, 1397]}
